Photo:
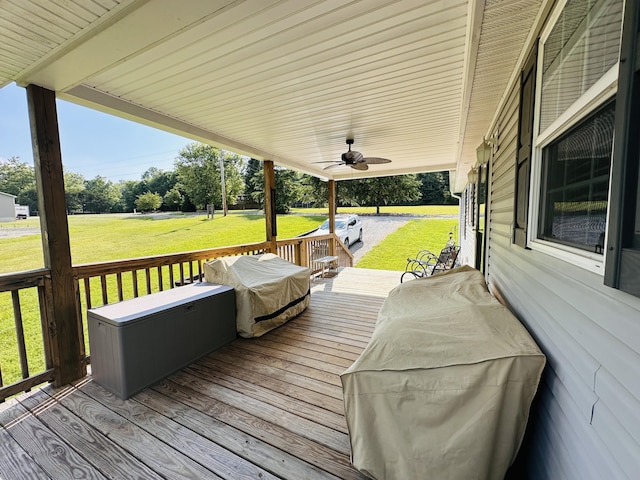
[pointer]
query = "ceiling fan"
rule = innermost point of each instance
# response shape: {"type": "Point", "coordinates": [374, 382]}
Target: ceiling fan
{"type": "Point", "coordinates": [354, 159]}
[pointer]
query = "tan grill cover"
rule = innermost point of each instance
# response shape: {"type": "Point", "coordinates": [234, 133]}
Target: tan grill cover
{"type": "Point", "coordinates": [443, 389]}
{"type": "Point", "coordinates": [265, 286]}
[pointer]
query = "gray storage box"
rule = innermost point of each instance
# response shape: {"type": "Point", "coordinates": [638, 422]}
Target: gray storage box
{"type": "Point", "coordinates": [137, 342]}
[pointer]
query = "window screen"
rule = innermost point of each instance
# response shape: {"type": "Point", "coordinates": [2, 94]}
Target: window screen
{"type": "Point", "coordinates": [575, 183]}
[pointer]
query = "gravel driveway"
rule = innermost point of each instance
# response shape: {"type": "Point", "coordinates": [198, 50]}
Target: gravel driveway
{"type": "Point", "coordinates": [375, 228]}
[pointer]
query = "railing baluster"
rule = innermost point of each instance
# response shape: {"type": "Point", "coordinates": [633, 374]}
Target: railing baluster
{"type": "Point", "coordinates": [103, 284]}
{"type": "Point", "coordinates": [134, 282]}
{"type": "Point", "coordinates": [45, 293]}
{"type": "Point", "coordinates": [147, 273]}
{"type": "Point", "coordinates": [200, 272]}
{"type": "Point", "coordinates": [119, 283]}
{"type": "Point", "coordinates": [87, 292]}
{"type": "Point", "coordinates": [181, 274]}
{"type": "Point", "coordinates": [160, 285]}
{"type": "Point", "coordinates": [22, 349]}
{"type": "Point", "coordinates": [190, 271]}
{"type": "Point", "coordinates": [171, 280]}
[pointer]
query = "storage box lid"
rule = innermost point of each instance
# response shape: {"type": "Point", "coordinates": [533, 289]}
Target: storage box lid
{"type": "Point", "coordinates": [139, 308]}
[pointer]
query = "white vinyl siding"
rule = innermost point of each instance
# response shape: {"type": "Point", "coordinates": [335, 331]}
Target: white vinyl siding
{"type": "Point", "coordinates": [587, 424]}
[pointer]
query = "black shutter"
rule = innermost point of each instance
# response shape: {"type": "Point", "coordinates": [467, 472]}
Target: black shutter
{"type": "Point", "coordinates": [525, 149]}
{"type": "Point", "coordinates": [623, 253]}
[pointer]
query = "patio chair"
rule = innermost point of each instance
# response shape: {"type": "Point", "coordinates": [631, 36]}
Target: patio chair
{"type": "Point", "coordinates": [427, 263]}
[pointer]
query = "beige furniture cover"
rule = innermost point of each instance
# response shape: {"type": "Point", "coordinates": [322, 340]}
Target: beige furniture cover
{"type": "Point", "coordinates": [269, 290]}
{"type": "Point", "coordinates": [443, 389]}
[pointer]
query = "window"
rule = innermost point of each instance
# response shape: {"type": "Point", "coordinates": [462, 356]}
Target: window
{"type": "Point", "coordinates": [567, 168]}
{"type": "Point", "coordinates": [623, 252]}
{"type": "Point", "coordinates": [575, 184]}
{"type": "Point", "coordinates": [581, 48]}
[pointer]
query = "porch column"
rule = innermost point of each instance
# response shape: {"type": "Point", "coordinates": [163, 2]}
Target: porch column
{"type": "Point", "coordinates": [332, 214]}
{"type": "Point", "coordinates": [65, 327]}
{"type": "Point", "coordinates": [270, 204]}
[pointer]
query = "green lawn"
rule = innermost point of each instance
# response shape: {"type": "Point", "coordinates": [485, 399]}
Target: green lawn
{"type": "Point", "coordinates": [420, 234]}
{"type": "Point", "coordinates": [387, 210]}
{"type": "Point", "coordinates": [96, 238]}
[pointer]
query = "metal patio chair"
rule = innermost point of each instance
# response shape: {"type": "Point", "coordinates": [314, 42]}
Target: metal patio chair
{"type": "Point", "coordinates": [427, 263]}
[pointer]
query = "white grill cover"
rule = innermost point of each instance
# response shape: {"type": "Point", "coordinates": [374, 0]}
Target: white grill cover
{"type": "Point", "coordinates": [443, 389]}
{"type": "Point", "coordinates": [269, 290]}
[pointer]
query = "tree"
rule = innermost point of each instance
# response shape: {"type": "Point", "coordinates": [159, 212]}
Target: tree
{"type": "Point", "coordinates": [19, 179]}
{"type": "Point", "coordinates": [101, 196]}
{"type": "Point", "coordinates": [289, 188]}
{"type": "Point", "coordinates": [254, 180]}
{"type": "Point", "coordinates": [316, 190]}
{"type": "Point", "coordinates": [16, 176]}
{"type": "Point", "coordinates": [382, 190]}
{"type": "Point", "coordinates": [173, 199]}
{"type": "Point", "coordinates": [159, 181]}
{"type": "Point", "coordinates": [130, 190]}
{"type": "Point", "coordinates": [74, 188]}
{"type": "Point", "coordinates": [148, 202]}
{"type": "Point", "coordinates": [434, 188]}
{"type": "Point", "coordinates": [198, 172]}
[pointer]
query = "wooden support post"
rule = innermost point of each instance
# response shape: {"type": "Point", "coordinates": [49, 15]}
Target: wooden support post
{"type": "Point", "coordinates": [270, 204]}
{"type": "Point", "coordinates": [303, 254]}
{"type": "Point", "coordinates": [65, 326]}
{"type": "Point", "coordinates": [332, 214]}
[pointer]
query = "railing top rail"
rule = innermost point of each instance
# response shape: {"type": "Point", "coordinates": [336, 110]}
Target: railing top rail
{"type": "Point", "coordinates": [32, 278]}
{"type": "Point", "coordinates": [19, 280]}
{"type": "Point", "coordinates": [117, 266]}
{"type": "Point", "coordinates": [291, 241]}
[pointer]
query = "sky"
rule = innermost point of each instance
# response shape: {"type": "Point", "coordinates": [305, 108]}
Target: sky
{"type": "Point", "coordinates": [93, 143]}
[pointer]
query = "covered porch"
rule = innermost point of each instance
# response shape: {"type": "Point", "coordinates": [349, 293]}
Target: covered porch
{"type": "Point", "coordinates": [284, 82]}
{"type": "Point", "coordinates": [269, 407]}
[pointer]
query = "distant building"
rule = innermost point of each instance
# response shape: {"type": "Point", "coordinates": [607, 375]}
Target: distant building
{"type": "Point", "coordinates": [7, 207]}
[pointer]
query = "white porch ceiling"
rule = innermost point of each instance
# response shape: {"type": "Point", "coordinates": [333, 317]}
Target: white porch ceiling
{"type": "Point", "coordinates": [415, 81]}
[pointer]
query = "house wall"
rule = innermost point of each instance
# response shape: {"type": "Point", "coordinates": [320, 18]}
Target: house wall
{"type": "Point", "coordinates": [7, 208]}
{"type": "Point", "coordinates": [586, 421]}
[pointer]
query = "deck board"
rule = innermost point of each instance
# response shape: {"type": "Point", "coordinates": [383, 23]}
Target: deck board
{"type": "Point", "coordinates": [267, 408]}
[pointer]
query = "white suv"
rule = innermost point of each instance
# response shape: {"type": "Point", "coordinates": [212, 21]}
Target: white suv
{"type": "Point", "coordinates": [348, 229]}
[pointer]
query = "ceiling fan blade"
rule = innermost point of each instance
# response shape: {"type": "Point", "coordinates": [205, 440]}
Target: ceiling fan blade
{"type": "Point", "coordinates": [333, 166]}
{"type": "Point", "coordinates": [360, 166]}
{"type": "Point", "coordinates": [329, 161]}
{"type": "Point", "coordinates": [375, 160]}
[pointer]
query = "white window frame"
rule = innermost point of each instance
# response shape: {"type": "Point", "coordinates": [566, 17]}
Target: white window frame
{"type": "Point", "coordinates": [596, 96]}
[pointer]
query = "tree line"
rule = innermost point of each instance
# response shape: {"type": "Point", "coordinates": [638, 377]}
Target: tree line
{"type": "Point", "coordinates": [196, 182]}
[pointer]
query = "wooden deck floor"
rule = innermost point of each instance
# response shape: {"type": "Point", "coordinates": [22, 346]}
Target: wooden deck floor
{"type": "Point", "coordinates": [263, 408]}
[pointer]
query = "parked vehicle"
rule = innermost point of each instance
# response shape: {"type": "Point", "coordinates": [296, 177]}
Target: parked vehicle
{"type": "Point", "coordinates": [348, 229]}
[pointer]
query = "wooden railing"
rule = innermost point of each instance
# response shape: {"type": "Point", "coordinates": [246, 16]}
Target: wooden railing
{"type": "Point", "coordinates": [30, 294]}
{"type": "Point", "coordinates": [149, 274]}
{"type": "Point", "coordinates": [109, 282]}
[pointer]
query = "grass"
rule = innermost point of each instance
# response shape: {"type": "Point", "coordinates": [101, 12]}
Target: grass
{"type": "Point", "coordinates": [96, 238]}
{"type": "Point", "coordinates": [387, 210]}
{"type": "Point", "coordinates": [420, 234]}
